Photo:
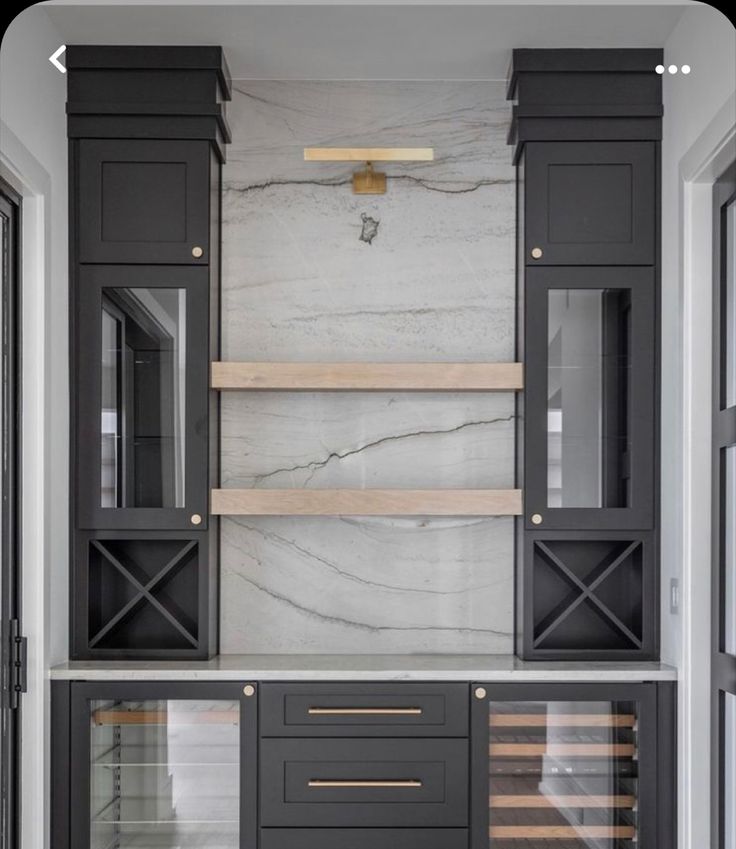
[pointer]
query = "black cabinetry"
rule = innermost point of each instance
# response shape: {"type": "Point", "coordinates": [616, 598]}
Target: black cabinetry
{"type": "Point", "coordinates": [586, 131]}
{"type": "Point", "coordinates": [147, 132]}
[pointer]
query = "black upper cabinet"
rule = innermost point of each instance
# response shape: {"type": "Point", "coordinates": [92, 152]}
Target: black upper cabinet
{"type": "Point", "coordinates": [147, 134]}
{"type": "Point", "coordinates": [590, 203]}
{"type": "Point", "coordinates": [586, 129]}
{"type": "Point", "coordinates": [145, 201]}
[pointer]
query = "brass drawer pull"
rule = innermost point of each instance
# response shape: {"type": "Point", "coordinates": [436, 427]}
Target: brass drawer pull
{"type": "Point", "coordinates": [320, 782]}
{"type": "Point", "coordinates": [358, 711]}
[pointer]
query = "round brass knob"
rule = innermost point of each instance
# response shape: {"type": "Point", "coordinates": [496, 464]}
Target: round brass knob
{"type": "Point", "coordinates": [537, 519]}
{"type": "Point", "coordinates": [249, 690]}
{"type": "Point", "coordinates": [197, 252]}
{"type": "Point", "coordinates": [536, 253]}
{"type": "Point", "coordinates": [480, 693]}
{"type": "Point", "coordinates": [196, 519]}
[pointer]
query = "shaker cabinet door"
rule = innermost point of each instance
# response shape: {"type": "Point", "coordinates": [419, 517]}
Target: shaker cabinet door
{"type": "Point", "coordinates": [144, 201]}
{"type": "Point", "coordinates": [590, 203]}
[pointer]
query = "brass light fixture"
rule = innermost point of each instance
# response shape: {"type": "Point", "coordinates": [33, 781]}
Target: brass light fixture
{"type": "Point", "coordinates": [366, 181]}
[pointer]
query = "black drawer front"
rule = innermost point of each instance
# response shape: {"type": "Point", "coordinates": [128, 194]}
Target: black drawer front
{"type": "Point", "coordinates": [364, 710]}
{"type": "Point", "coordinates": [333, 783]}
{"type": "Point", "coordinates": [361, 838]}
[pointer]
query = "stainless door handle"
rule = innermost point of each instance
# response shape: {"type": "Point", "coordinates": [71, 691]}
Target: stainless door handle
{"type": "Point", "coordinates": [364, 711]}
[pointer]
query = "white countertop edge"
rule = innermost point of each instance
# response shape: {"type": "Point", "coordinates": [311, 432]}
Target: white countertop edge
{"type": "Point", "coordinates": [491, 668]}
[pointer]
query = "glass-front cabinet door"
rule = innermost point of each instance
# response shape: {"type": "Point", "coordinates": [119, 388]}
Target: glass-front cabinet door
{"type": "Point", "coordinates": [564, 767]}
{"type": "Point", "coordinates": [170, 766]}
{"type": "Point", "coordinates": [141, 456]}
{"type": "Point", "coordinates": [590, 389]}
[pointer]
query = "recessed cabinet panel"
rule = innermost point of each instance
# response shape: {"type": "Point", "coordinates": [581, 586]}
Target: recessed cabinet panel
{"type": "Point", "coordinates": [142, 399]}
{"type": "Point", "coordinates": [589, 428]}
{"type": "Point", "coordinates": [145, 201]}
{"type": "Point", "coordinates": [590, 203]}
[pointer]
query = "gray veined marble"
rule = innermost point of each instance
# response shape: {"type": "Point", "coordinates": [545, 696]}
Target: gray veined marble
{"type": "Point", "coordinates": [313, 272]}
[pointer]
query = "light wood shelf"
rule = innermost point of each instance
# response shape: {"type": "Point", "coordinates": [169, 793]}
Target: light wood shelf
{"type": "Point", "coordinates": [366, 502]}
{"type": "Point", "coordinates": [560, 720]}
{"type": "Point", "coordinates": [534, 750]}
{"type": "Point", "coordinates": [552, 832]}
{"type": "Point", "coordinates": [539, 801]}
{"type": "Point", "coordinates": [162, 717]}
{"type": "Point", "coordinates": [368, 377]}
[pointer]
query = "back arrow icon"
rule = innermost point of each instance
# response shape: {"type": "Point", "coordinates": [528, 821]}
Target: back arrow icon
{"type": "Point", "coordinates": [54, 59]}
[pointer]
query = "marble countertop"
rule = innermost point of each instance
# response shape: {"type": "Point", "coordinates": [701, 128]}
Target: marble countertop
{"type": "Point", "coordinates": [363, 667]}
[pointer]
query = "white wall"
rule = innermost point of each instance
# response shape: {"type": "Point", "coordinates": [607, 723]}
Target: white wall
{"type": "Point", "coordinates": [697, 109]}
{"type": "Point", "coordinates": [33, 148]}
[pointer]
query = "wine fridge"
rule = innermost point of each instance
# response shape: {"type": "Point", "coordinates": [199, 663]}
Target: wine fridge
{"type": "Point", "coordinates": [163, 766]}
{"type": "Point", "coordinates": [565, 766]}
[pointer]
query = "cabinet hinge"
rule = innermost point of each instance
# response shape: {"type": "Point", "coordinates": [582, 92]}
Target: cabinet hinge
{"type": "Point", "coordinates": [18, 672]}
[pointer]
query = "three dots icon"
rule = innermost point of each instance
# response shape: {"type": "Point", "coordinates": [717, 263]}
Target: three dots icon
{"type": "Point", "coordinates": [672, 69]}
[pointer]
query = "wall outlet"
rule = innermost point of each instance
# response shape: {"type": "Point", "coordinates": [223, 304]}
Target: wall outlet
{"type": "Point", "coordinates": [674, 595]}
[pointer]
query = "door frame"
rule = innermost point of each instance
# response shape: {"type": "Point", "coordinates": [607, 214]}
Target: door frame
{"type": "Point", "coordinates": [723, 664]}
{"type": "Point", "coordinates": [10, 554]}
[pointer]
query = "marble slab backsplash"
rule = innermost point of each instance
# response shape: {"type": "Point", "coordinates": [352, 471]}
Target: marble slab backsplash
{"type": "Point", "coordinates": [423, 273]}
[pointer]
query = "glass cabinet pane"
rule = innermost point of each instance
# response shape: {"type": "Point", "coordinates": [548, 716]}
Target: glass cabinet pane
{"type": "Point", "coordinates": [143, 397]}
{"type": "Point", "coordinates": [588, 365]}
{"type": "Point", "coordinates": [563, 774]}
{"type": "Point", "coordinates": [164, 774]}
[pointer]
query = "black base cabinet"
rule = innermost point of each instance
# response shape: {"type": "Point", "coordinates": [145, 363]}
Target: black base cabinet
{"type": "Point", "coordinates": [175, 765]}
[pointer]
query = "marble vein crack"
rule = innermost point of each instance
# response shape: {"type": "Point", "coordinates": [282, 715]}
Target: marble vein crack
{"type": "Point", "coordinates": [362, 626]}
{"type": "Point", "coordinates": [351, 576]}
{"type": "Point", "coordinates": [313, 465]}
{"type": "Point", "coordinates": [429, 185]}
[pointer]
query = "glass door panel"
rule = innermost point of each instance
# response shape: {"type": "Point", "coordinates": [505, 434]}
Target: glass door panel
{"type": "Point", "coordinates": [588, 365]}
{"type": "Point", "coordinates": [143, 381]}
{"type": "Point", "coordinates": [563, 774]}
{"type": "Point", "coordinates": [164, 774]}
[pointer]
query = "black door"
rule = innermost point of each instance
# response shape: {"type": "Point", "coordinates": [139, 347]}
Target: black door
{"type": "Point", "coordinates": [145, 201]}
{"type": "Point", "coordinates": [165, 764]}
{"type": "Point", "coordinates": [571, 765]}
{"type": "Point", "coordinates": [12, 644]}
{"type": "Point", "coordinates": [724, 513]}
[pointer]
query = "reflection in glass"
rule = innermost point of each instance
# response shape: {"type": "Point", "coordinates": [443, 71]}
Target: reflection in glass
{"type": "Point", "coordinates": [563, 773]}
{"type": "Point", "coordinates": [729, 324]}
{"type": "Point", "coordinates": [729, 548]}
{"type": "Point", "coordinates": [729, 772]}
{"type": "Point", "coordinates": [164, 774]}
{"type": "Point", "coordinates": [143, 397]}
{"type": "Point", "coordinates": [588, 389]}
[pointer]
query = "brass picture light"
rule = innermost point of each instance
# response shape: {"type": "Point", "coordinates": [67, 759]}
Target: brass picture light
{"type": "Point", "coordinates": [367, 181]}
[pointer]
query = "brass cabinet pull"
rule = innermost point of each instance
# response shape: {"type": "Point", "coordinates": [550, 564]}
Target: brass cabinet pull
{"type": "Point", "coordinates": [359, 711]}
{"type": "Point", "coordinates": [323, 782]}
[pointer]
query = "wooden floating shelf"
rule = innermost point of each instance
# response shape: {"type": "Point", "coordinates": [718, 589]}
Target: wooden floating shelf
{"type": "Point", "coordinates": [509, 801]}
{"type": "Point", "coordinates": [534, 750]}
{"type": "Point", "coordinates": [366, 502]}
{"type": "Point", "coordinates": [368, 377]}
{"type": "Point", "coordinates": [554, 832]}
{"type": "Point", "coordinates": [580, 720]}
{"type": "Point", "coordinates": [162, 717]}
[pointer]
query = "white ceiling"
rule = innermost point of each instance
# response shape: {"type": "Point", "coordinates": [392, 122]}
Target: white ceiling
{"type": "Point", "coordinates": [378, 41]}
